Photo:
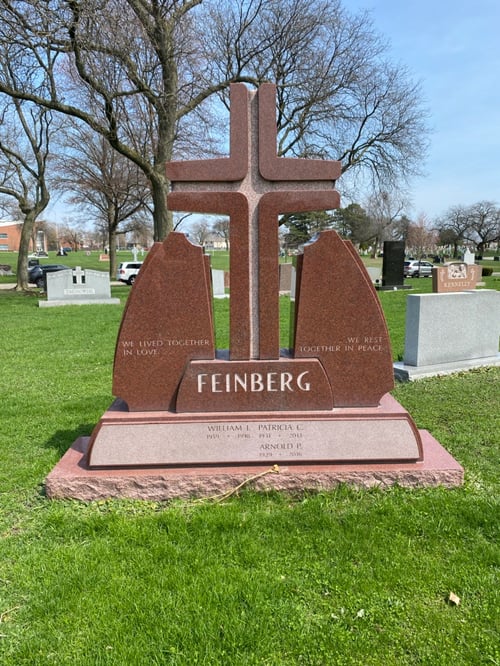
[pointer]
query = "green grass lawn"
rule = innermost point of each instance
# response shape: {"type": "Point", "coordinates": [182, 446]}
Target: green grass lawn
{"type": "Point", "coordinates": [332, 578]}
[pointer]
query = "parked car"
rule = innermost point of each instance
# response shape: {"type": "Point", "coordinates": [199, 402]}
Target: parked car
{"type": "Point", "coordinates": [417, 269]}
{"type": "Point", "coordinates": [128, 270]}
{"type": "Point", "coordinates": [37, 274]}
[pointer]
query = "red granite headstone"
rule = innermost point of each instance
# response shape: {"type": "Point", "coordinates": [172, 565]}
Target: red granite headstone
{"type": "Point", "coordinates": [455, 276]}
{"type": "Point", "coordinates": [326, 400]}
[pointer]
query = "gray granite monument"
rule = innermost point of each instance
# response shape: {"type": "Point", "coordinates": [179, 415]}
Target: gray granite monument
{"type": "Point", "coordinates": [78, 287]}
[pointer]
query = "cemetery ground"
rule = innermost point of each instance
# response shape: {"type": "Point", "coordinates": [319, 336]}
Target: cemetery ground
{"type": "Point", "coordinates": [341, 577]}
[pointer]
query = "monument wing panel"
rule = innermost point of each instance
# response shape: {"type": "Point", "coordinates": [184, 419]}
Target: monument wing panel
{"type": "Point", "coordinates": [167, 322]}
{"type": "Point", "coordinates": [340, 321]}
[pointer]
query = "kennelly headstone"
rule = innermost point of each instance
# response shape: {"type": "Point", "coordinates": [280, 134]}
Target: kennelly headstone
{"type": "Point", "coordinates": [78, 287]}
{"type": "Point", "coordinates": [181, 405]}
{"type": "Point", "coordinates": [455, 276]}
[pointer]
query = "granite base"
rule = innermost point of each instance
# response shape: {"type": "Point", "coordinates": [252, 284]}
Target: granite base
{"type": "Point", "coordinates": [93, 301]}
{"type": "Point", "coordinates": [71, 478]}
{"type": "Point", "coordinates": [381, 433]}
{"type": "Point", "coordinates": [405, 373]}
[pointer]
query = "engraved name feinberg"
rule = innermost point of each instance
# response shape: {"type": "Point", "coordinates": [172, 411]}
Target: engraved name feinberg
{"type": "Point", "coordinates": [252, 382]}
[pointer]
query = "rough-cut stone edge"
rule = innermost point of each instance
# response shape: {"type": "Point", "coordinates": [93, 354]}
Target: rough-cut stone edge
{"type": "Point", "coordinates": [71, 479]}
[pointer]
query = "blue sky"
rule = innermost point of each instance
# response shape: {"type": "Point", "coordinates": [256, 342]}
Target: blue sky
{"type": "Point", "coordinates": [452, 47]}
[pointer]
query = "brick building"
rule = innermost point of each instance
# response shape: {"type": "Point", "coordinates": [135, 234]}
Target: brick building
{"type": "Point", "coordinates": [10, 237]}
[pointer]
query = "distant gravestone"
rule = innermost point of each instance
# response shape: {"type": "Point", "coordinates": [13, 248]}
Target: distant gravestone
{"type": "Point", "coordinates": [200, 413]}
{"type": "Point", "coordinates": [456, 276]}
{"type": "Point", "coordinates": [286, 278]}
{"type": "Point", "coordinates": [393, 265]}
{"type": "Point", "coordinates": [218, 287]}
{"type": "Point", "coordinates": [469, 257]}
{"type": "Point", "coordinates": [78, 287]}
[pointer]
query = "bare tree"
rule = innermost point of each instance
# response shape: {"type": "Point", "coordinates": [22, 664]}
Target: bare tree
{"type": "Point", "coordinates": [200, 232]}
{"type": "Point", "coordinates": [135, 71]}
{"type": "Point", "coordinates": [338, 95]}
{"type": "Point", "coordinates": [25, 133]}
{"type": "Point", "coordinates": [452, 227]}
{"type": "Point", "coordinates": [107, 185]}
{"type": "Point", "coordinates": [70, 233]}
{"type": "Point", "coordinates": [384, 210]}
{"type": "Point", "coordinates": [125, 68]}
{"type": "Point", "coordinates": [483, 224]}
{"type": "Point", "coordinates": [421, 238]}
{"type": "Point", "coordinates": [221, 228]}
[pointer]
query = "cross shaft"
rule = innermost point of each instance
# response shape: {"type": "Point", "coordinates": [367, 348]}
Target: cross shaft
{"type": "Point", "coordinates": [253, 186]}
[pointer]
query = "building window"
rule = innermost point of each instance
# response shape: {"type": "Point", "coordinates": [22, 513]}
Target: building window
{"type": "Point", "coordinates": [4, 235]}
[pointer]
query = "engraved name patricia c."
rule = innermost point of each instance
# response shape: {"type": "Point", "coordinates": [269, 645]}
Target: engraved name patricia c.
{"type": "Point", "coordinates": [364, 343]}
{"type": "Point", "coordinates": [271, 439]}
{"type": "Point", "coordinates": [252, 382]}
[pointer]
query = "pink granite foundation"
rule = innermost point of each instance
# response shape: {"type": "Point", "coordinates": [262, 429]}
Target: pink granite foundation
{"type": "Point", "coordinates": [72, 478]}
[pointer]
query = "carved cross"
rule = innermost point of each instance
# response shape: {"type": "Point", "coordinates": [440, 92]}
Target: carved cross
{"type": "Point", "coordinates": [78, 275]}
{"type": "Point", "coordinates": [253, 186]}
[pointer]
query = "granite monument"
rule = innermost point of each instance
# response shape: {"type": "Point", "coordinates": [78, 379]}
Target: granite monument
{"type": "Point", "coordinates": [78, 286]}
{"type": "Point", "coordinates": [188, 417]}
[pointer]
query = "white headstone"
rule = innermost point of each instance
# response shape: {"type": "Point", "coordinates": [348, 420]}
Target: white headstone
{"type": "Point", "coordinates": [375, 274]}
{"type": "Point", "coordinates": [218, 283]}
{"type": "Point", "coordinates": [469, 257]}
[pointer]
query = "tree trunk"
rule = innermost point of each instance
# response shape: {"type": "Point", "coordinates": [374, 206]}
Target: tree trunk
{"type": "Point", "coordinates": [22, 257]}
{"type": "Point", "coordinates": [112, 251]}
{"type": "Point", "coordinates": [163, 219]}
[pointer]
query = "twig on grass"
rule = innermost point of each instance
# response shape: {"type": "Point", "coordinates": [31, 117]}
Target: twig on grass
{"type": "Point", "coordinates": [220, 497]}
{"type": "Point", "coordinates": [7, 612]}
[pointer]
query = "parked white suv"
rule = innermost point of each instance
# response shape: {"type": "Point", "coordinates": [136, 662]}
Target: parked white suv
{"type": "Point", "coordinates": [128, 270]}
{"type": "Point", "coordinates": [417, 269]}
